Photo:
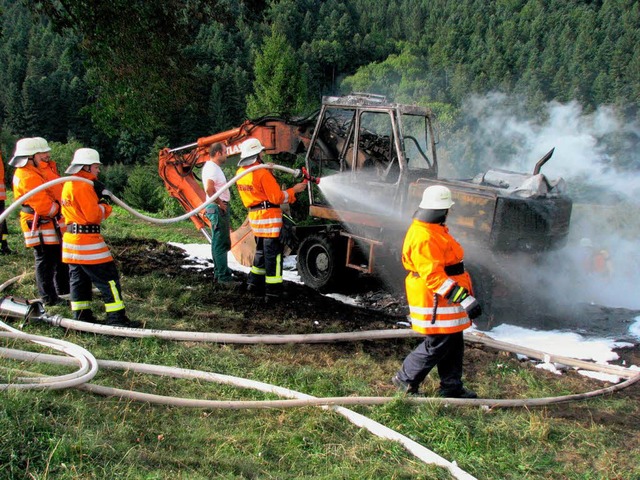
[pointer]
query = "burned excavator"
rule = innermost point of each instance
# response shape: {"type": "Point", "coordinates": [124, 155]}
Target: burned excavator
{"type": "Point", "coordinates": [374, 159]}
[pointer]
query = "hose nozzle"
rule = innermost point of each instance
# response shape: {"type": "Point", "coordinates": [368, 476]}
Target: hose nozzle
{"type": "Point", "coordinates": [21, 308]}
{"type": "Point", "coordinates": [308, 178]}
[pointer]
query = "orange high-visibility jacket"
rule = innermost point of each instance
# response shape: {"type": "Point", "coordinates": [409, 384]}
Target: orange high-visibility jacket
{"type": "Point", "coordinates": [44, 204]}
{"type": "Point", "coordinates": [427, 249]}
{"type": "Point", "coordinates": [80, 205]}
{"type": "Point", "coordinates": [3, 191]}
{"type": "Point", "coordinates": [260, 186]}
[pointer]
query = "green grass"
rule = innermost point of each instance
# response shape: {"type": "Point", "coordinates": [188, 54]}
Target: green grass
{"type": "Point", "coordinates": [71, 434]}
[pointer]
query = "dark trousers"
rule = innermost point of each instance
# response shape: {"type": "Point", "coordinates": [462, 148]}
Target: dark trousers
{"type": "Point", "coordinates": [220, 242]}
{"type": "Point", "coordinates": [444, 351]}
{"type": "Point", "coordinates": [266, 271]}
{"type": "Point", "coordinates": [52, 276]}
{"type": "Point", "coordinates": [106, 279]}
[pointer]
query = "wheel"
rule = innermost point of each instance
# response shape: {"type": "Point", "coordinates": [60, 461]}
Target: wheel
{"type": "Point", "coordinates": [319, 262]}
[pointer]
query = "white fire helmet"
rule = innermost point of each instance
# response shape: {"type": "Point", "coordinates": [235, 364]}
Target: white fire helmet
{"type": "Point", "coordinates": [249, 149]}
{"type": "Point", "coordinates": [436, 197]}
{"type": "Point", "coordinates": [82, 157]}
{"type": "Point", "coordinates": [43, 146]}
{"type": "Point", "coordinates": [25, 148]}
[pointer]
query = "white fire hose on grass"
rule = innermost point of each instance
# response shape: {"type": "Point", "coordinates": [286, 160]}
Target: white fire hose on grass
{"type": "Point", "coordinates": [298, 399]}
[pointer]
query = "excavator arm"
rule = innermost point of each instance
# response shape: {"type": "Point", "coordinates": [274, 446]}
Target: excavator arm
{"type": "Point", "coordinates": [177, 166]}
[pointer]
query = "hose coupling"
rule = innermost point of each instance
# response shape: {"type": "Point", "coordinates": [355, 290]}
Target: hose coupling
{"type": "Point", "coordinates": [21, 308]}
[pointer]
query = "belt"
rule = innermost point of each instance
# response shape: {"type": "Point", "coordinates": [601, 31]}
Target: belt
{"type": "Point", "coordinates": [77, 228]}
{"type": "Point", "coordinates": [262, 206]}
{"type": "Point", "coordinates": [455, 269]}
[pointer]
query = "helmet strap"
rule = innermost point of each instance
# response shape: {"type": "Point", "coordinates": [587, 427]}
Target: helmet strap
{"type": "Point", "coordinates": [431, 216]}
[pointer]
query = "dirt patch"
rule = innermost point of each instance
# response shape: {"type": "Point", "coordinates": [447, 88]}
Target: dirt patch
{"type": "Point", "coordinates": [306, 311]}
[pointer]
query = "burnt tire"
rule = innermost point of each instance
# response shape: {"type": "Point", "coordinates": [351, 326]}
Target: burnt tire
{"type": "Point", "coordinates": [320, 262]}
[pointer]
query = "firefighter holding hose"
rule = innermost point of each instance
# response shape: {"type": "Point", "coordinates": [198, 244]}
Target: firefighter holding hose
{"type": "Point", "coordinates": [440, 296]}
{"type": "Point", "coordinates": [261, 194]}
{"type": "Point", "coordinates": [84, 248]}
{"type": "Point", "coordinates": [40, 219]}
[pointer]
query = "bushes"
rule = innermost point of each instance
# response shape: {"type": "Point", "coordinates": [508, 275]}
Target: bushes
{"type": "Point", "coordinates": [115, 177]}
{"type": "Point", "coordinates": [144, 190]}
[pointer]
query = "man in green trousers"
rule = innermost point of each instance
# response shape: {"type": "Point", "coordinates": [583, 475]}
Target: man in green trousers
{"type": "Point", "coordinates": [213, 179]}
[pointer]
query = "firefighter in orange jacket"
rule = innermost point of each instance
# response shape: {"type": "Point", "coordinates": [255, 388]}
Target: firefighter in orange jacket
{"type": "Point", "coordinates": [262, 195]}
{"type": "Point", "coordinates": [4, 232]}
{"type": "Point", "coordinates": [84, 248]}
{"type": "Point", "coordinates": [439, 293]}
{"type": "Point", "coordinates": [40, 219]}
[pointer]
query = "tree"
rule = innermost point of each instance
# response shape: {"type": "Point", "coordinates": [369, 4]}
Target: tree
{"type": "Point", "coordinates": [137, 69]}
{"type": "Point", "coordinates": [280, 82]}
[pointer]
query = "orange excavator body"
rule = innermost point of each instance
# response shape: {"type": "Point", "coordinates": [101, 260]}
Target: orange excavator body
{"type": "Point", "coordinates": [176, 167]}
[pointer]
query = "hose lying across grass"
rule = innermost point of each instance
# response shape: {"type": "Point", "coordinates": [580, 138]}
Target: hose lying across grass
{"type": "Point", "coordinates": [298, 399]}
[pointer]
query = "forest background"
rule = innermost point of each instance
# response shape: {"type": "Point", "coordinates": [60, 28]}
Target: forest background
{"type": "Point", "coordinates": [128, 77]}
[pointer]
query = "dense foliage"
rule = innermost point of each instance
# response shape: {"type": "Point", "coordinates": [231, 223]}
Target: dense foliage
{"type": "Point", "coordinates": [116, 75]}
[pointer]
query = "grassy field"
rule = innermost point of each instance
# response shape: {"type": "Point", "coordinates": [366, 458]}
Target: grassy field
{"type": "Point", "coordinates": [72, 434]}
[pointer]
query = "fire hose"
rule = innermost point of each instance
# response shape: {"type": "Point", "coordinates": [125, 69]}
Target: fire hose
{"type": "Point", "coordinates": [297, 399]}
{"type": "Point", "coordinates": [160, 221]}
{"type": "Point", "coordinates": [33, 311]}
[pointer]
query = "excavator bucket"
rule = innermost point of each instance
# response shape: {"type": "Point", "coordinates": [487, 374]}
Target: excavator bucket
{"type": "Point", "coordinates": [243, 244]}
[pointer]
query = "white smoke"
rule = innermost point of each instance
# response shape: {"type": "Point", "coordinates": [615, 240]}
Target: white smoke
{"type": "Point", "coordinates": [589, 147]}
{"type": "Point", "coordinates": [598, 155]}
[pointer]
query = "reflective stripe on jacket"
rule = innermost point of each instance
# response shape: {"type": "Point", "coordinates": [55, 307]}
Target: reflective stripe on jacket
{"type": "Point", "coordinates": [80, 205]}
{"type": "Point", "coordinates": [257, 187]}
{"type": "Point", "coordinates": [427, 249]}
{"type": "Point", "coordinates": [44, 204]}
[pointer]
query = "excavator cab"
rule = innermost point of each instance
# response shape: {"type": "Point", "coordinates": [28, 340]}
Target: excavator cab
{"type": "Point", "coordinates": [366, 150]}
{"type": "Point", "coordinates": [375, 158]}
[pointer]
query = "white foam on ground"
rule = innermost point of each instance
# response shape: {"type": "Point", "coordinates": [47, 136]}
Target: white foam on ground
{"type": "Point", "coordinates": [568, 344]}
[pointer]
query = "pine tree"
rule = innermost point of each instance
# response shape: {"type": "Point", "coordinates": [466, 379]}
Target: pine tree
{"type": "Point", "coordinates": [280, 82]}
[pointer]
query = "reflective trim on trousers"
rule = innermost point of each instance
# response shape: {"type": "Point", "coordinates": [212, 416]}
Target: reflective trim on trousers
{"type": "Point", "coordinates": [277, 278]}
{"type": "Point", "coordinates": [258, 271]}
{"type": "Point", "coordinates": [75, 306]}
{"type": "Point", "coordinates": [118, 304]}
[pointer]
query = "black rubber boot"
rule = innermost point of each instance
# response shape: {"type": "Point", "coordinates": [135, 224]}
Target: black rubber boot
{"type": "Point", "coordinates": [119, 319]}
{"type": "Point", "coordinates": [462, 393]}
{"type": "Point", "coordinates": [85, 316]}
